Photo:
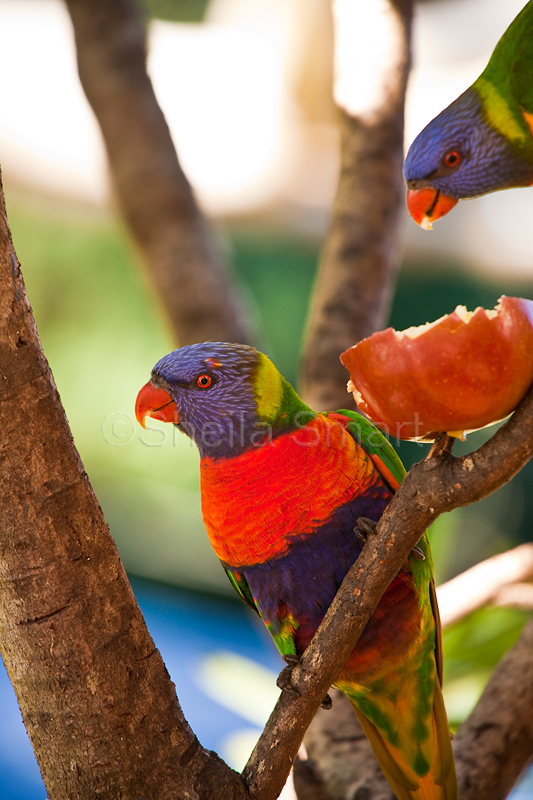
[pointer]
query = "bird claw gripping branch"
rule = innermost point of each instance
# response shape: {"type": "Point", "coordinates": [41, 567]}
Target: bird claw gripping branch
{"type": "Point", "coordinates": [283, 681]}
{"type": "Point", "coordinates": [365, 527]}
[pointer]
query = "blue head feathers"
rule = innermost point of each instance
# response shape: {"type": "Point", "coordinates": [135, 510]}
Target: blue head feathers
{"type": "Point", "coordinates": [212, 386]}
{"type": "Point", "coordinates": [461, 155]}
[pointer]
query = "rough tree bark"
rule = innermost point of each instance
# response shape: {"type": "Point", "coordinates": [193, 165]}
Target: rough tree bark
{"type": "Point", "coordinates": [178, 247]}
{"type": "Point", "coordinates": [361, 253]}
{"type": "Point", "coordinates": [96, 698]}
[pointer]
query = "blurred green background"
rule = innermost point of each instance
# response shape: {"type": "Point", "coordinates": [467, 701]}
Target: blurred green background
{"type": "Point", "coordinates": [102, 332]}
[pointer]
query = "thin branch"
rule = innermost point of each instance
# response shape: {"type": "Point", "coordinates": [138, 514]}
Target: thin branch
{"type": "Point", "coordinates": [178, 248]}
{"type": "Point", "coordinates": [487, 582]}
{"type": "Point", "coordinates": [97, 701]}
{"type": "Point", "coordinates": [517, 595]}
{"type": "Point", "coordinates": [443, 444]}
{"type": "Point", "coordinates": [361, 254]}
{"type": "Point", "coordinates": [430, 488]}
{"type": "Point", "coordinates": [495, 743]}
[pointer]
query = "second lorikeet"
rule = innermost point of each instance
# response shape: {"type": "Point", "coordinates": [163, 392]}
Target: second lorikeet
{"type": "Point", "coordinates": [483, 141]}
{"type": "Point", "coordinates": [282, 491]}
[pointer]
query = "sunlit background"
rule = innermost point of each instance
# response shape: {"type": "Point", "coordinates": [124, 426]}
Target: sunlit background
{"type": "Point", "coordinates": [246, 88]}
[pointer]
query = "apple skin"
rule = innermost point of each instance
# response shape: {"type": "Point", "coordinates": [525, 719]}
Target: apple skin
{"type": "Point", "coordinates": [453, 375]}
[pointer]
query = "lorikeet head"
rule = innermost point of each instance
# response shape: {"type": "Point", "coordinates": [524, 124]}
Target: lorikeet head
{"type": "Point", "coordinates": [459, 155]}
{"type": "Point", "coordinates": [226, 397]}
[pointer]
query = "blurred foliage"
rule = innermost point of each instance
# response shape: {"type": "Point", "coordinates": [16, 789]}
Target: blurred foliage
{"type": "Point", "coordinates": [472, 648]}
{"type": "Point", "coordinates": [176, 10]}
{"type": "Point", "coordinates": [102, 332]}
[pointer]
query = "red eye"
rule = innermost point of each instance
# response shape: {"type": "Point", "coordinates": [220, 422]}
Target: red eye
{"type": "Point", "coordinates": [204, 381]}
{"type": "Point", "coordinates": [452, 159]}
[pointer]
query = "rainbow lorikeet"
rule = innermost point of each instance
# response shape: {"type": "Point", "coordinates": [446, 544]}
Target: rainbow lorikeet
{"type": "Point", "coordinates": [282, 491]}
{"type": "Point", "coordinates": [483, 141]}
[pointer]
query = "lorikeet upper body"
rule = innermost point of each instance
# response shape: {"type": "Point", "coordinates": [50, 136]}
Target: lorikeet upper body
{"type": "Point", "coordinates": [282, 489]}
{"type": "Point", "coordinates": [483, 141]}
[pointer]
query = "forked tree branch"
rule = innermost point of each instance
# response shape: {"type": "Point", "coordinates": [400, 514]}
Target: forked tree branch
{"type": "Point", "coordinates": [177, 245]}
{"type": "Point", "coordinates": [372, 42]}
{"type": "Point", "coordinates": [95, 696]}
{"type": "Point", "coordinates": [432, 486]}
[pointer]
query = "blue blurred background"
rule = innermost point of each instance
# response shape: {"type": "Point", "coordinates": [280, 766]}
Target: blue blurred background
{"type": "Point", "coordinates": [267, 180]}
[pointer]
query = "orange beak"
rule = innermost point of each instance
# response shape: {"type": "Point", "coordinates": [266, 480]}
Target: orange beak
{"type": "Point", "coordinates": [157, 403]}
{"type": "Point", "coordinates": [427, 204]}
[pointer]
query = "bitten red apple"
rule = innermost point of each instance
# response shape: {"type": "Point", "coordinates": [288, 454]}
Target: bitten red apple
{"type": "Point", "coordinates": [461, 372]}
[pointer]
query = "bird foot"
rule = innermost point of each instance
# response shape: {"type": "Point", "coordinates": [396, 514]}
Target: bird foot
{"type": "Point", "coordinates": [365, 527]}
{"type": "Point", "coordinates": [283, 681]}
{"type": "Point", "coordinates": [417, 553]}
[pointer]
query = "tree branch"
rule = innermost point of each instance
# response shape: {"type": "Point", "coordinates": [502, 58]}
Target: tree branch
{"type": "Point", "coordinates": [491, 580]}
{"type": "Point", "coordinates": [432, 486]}
{"type": "Point", "coordinates": [94, 693]}
{"type": "Point", "coordinates": [157, 201]}
{"type": "Point", "coordinates": [495, 743]}
{"type": "Point", "coordinates": [361, 254]}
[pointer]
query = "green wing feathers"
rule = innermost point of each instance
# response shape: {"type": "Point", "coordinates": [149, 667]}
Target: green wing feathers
{"type": "Point", "coordinates": [388, 464]}
{"type": "Point", "coordinates": [402, 713]}
{"type": "Point", "coordinates": [371, 439]}
{"type": "Point", "coordinates": [511, 64]}
{"type": "Point", "coordinates": [240, 585]}
{"type": "Point", "coordinates": [506, 84]}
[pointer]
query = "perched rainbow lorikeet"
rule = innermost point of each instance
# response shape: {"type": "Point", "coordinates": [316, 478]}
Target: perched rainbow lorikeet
{"type": "Point", "coordinates": [483, 141]}
{"type": "Point", "coordinates": [283, 489]}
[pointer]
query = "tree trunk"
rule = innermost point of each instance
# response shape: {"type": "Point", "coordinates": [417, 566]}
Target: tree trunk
{"type": "Point", "coordinates": [95, 695]}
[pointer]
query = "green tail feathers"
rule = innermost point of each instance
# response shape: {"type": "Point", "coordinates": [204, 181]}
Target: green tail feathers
{"type": "Point", "coordinates": [435, 781]}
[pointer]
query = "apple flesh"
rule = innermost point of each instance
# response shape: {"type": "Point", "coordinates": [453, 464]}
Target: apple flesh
{"type": "Point", "coordinates": [459, 373]}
